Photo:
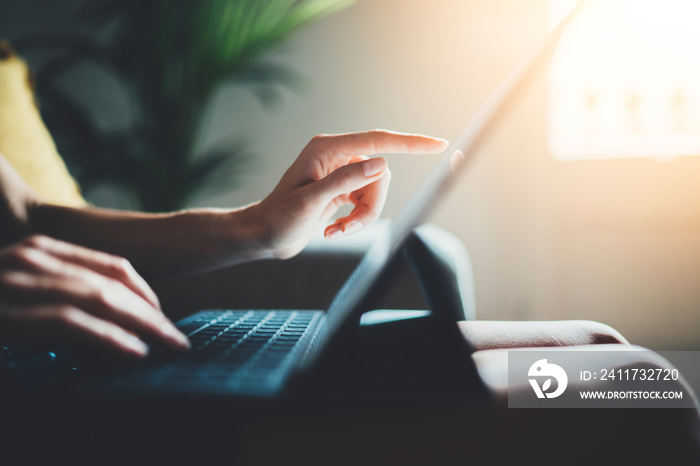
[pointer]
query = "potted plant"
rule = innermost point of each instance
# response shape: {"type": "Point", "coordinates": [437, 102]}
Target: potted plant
{"type": "Point", "coordinates": [171, 57]}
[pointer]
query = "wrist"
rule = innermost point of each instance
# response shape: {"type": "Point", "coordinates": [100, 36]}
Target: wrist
{"type": "Point", "coordinates": [247, 235]}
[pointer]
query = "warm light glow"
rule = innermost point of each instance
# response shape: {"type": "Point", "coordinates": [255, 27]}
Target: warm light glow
{"type": "Point", "coordinates": [625, 81]}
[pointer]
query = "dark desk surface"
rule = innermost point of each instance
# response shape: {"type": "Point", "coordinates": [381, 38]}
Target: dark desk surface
{"type": "Point", "coordinates": [155, 431]}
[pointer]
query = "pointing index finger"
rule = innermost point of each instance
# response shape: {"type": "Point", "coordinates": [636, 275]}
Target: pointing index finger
{"type": "Point", "coordinates": [382, 142]}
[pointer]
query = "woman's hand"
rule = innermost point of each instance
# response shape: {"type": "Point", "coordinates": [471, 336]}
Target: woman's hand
{"type": "Point", "coordinates": [51, 290]}
{"type": "Point", "coordinates": [332, 170]}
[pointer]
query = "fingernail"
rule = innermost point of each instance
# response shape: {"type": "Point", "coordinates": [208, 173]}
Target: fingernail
{"type": "Point", "coordinates": [445, 142]}
{"type": "Point", "coordinates": [177, 337]}
{"type": "Point", "coordinates": [373, 166]}
{"type": "Point", "coordinates": [353, 227]}
{"type": "Point", "coordinates": [333, 234]}
{"type": "Point", "coordinates": [135, 344]}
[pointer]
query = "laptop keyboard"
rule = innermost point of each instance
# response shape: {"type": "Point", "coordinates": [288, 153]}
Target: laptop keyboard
{"type": "Point", "coordinates": [241, 352]}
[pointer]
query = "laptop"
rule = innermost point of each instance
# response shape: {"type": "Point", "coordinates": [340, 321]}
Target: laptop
{"type": "Point", "coordinates": [259, 353]}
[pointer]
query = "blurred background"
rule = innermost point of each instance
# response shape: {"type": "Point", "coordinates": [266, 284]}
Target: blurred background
{"type": "Point", "coordinates": [585, 202]}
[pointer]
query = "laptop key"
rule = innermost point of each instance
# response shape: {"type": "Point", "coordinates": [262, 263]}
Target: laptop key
{"type": "Point", "coordinates": [242, 351]}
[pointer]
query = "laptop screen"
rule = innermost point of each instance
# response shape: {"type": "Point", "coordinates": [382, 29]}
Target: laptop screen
{"type": "Point", "coordinates": [363, 284]}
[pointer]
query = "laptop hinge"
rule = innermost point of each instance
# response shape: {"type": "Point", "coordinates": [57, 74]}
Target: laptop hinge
{"type": "Point", "coordinates": [408, 357]}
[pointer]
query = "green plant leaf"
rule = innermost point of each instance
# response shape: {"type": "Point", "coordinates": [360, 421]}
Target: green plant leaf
{"type": "Point", "coordinates": [172, 56]}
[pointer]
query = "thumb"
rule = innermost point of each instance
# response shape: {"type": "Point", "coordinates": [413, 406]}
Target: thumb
{"type": "Point", "coordinates": [351, 177]}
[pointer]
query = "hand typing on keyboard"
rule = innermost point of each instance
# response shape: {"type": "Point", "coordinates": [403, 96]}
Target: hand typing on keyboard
{"type": "Point", "coordinates": [58, 291]}
{"type": "Point", "coordinates": [243, 352]}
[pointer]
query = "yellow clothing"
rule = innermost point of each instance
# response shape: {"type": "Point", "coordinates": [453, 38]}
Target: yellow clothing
{"type": "Point", "coordinates": [24, 140]}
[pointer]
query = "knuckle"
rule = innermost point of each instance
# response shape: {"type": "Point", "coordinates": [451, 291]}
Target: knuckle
{"type": "Point", "coordinates": [323, 144]}
{"type": "Point", "coordinates": [373, 216]}
{"type": "Point", "coordinates": [306, 202]}
{"type": "Point", "coordinates": [339, 176]}
{"type": "Point", "coordinates": [369, 214]}
{"type": "Point", "coordinates": [66, 315]}
{"type": "Point", "coordinates": [378, 136]}
{"type": "Point", "coordinates": [37, 241]}
{"type": "Point", "coordinates": [22, 256]}
{"type": "Point", "coordinates": [120, 266]}
{"type": "Point", "coordinates": [316, 141]}
{"type": "Point", "coordinates": [101, 296]}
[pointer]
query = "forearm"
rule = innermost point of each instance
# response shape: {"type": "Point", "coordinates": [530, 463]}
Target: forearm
{"type": "Point", "coordinates": [331, 170]}
{"type": "Point", "coordinates": [157, 244]}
